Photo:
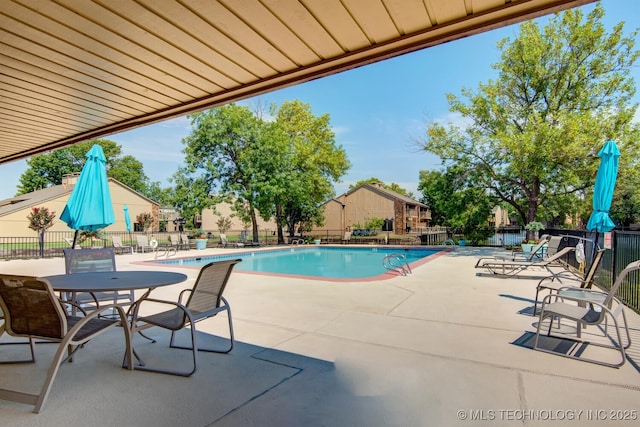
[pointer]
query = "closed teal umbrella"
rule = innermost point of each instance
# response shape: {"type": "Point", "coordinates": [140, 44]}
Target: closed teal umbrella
{"type": "Point", "coordinates": [89, 206]}
{"type": "Point", "coordinates": [127, 219]}
{"type": "Point", "coordinates": [603, 189]}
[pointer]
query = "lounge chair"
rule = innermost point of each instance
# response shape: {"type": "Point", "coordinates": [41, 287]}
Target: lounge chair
{"type": "Point", "coordinates": [143, 244]}
{"type": "Point", "coordinates": [69, 242]}
{"type": "Point", "coordinates": [247, 241]}
{"type": "Point", "coordinates": [505, 268]}
{"type": "Point", "coordinates": [33, 311]}
{"type": "Point", "coordinates": [550, 283]}
{"type": "Point", "coordinates": [586, 307]}
{"type": "Point", "coordinates": [78, 261]}
{"type": "Point", "coordinates": [203, 301]}
{"type": "Point", "coordinates": [184, 242]}
{"type": "Point", "coordinates": [547, 246]}
{"type": "Point", "coordinates": [224, 242]}
{"type": "Point", "coordinates": [347, 237]}
{"type": "Point", "coordinates": [119, 247]}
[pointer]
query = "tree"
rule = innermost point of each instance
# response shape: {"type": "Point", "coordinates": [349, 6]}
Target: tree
{"type": "Point", "coordinates": [40, 220]}
{"type": "Point", "coordinates": [393, 186]}
{"type": "Point", "coordinates": [282, 168]}
{"type": "Point", "coordinates": [144, 219]}
{"type": "Point", "coordinates": [45, 170]}
{"type": "Point", "coordinates": [456, 204]}
{"type": "Point", "coordinates": [219, 162]}
{"type": "Point", "coordinates": [533, 133]}
{"type": "Point", "coordinates": [310, 162]}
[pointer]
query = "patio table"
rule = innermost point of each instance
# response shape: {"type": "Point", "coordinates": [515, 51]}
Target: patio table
{"type": "Point", "coordinates": [111, 281]}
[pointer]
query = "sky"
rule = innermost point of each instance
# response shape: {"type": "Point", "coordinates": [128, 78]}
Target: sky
{"type": "Point", "coordinates": [377, 112]}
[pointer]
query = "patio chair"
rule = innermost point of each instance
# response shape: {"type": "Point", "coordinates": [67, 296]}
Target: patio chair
{"type": "Point", "coordinates": [144, 244]}
{"type": "Point", "coordinates": [32, 311]}
{"type": "Point", "coordinates": [589, 308]}
{"type": "Point", "coordinates": [78, 261]}
{"type": "Point", "coordinates": [184, 242]}
{"type": "Point", "coordinates": [119, 247]}
{"type": "Point", "coordinates": [509, 268]}
{"type": "Point", "coordinates": [554, 285]}
{"type": "Point", "coordinates": [204, 300]}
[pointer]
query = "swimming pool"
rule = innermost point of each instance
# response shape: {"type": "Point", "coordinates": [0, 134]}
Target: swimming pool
{"type": "Point", "coordinates": [315, 262]}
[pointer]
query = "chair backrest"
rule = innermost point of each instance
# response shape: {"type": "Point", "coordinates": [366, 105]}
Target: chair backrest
{"type": "Point", "coordinates": [174, 239]}
{"type": "Point", "coordinates": [544, 241]}
{"type": "Point", "coordinates": [556, 256]}
{"type": "Point", "coordinates": [185, 239]}
{"type": "Point", "coordinates": [89, 260]}
{"type": "Point", "coordinates": [142, 240]}
{"type": "Point", "coordinates": [209, 286]}
{"type": "Point", "coordinates": [347, 235]}
{"type": "Point", "coordinates": [593, 268]}
{"type": "Point", "coordinates": [117, 241]}
{"type": "Point", "coordinates": [223, 239]}
{"type": "Point", "coordinates": [554, 245]}
{"type": "Point", "coordinates": [632, 266]}
{"type": "Point", "coordinates": [31, 308]}
{"type": "Point", "coordinates": [70, 242]}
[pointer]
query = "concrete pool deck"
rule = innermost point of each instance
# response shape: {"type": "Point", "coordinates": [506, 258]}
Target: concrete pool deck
{"type": "Point", "coordinates": [440, 347]}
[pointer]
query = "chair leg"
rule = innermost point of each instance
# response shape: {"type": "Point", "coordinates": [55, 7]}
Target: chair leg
{"type": "Point", "coordinates": [208, 350]}
{"type": "Point", "coordinates": [32, 349]}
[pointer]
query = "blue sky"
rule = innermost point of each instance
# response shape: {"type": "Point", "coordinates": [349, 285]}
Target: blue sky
{"type": "Point", "coordinates": [377, 111]}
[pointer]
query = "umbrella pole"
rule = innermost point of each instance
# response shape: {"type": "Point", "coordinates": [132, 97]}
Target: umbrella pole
{"type": "Point", "coordinates": [75, 239]}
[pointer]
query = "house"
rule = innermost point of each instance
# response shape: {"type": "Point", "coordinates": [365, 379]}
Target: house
{"type": "Point", "coordinates": [14, 211]}
{"type": "Point", "coordinates": [208, 219]}
{"type": "Point", "coordinates": [367, 201]}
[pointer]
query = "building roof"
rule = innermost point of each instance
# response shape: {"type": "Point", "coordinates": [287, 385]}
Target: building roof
{"type": "Point", "coordinates": [39, 197]}
{"type": "Point", "coordinates": [388, 193]}
{"type": "Point", "coordinates": [77, 70]}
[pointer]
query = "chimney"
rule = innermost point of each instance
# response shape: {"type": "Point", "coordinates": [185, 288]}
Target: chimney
{"type": "Point", "coordinates": [69, 180]}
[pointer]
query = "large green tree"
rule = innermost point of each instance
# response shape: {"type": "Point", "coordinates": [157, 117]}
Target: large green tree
{"type": "Point", "coordinates": [455, 203]}
{"type": "Point", "coordinates": [219, 162]}
{"type": "Point", "coordinates": [311, 162]}
{"type": "Point", "coordinates": [532, 134]}
{"type": "Point", "coordinates": [45, 170]}
{"type": "Point", "coordinates": [283, 168]}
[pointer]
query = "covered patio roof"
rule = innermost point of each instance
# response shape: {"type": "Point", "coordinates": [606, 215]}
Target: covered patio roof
{"type": "Point", "coordinates": [73, 70]}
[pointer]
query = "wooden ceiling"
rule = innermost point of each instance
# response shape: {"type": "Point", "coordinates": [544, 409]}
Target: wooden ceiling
{"type": "Point", "coordinates": [72, 70]}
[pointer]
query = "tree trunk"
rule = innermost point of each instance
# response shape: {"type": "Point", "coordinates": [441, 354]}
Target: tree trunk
{"type": "Point", "coordinates": [41, 241]}
{"type": "Point", "coordinates": [533, 207]}
{"type": "Point", "coordinates": [279, 224]}
{"type": "Point", "coordinates": [254, 226]}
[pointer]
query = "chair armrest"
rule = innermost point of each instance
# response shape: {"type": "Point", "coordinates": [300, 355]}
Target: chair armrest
{"type": "Point", "coordinates": [73, 304]}
{"type": "Point", "coordinates": [182, 294]}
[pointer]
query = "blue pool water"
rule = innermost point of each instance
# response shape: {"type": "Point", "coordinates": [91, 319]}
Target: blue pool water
{"type": "Point", "coordinates": [321, 262]}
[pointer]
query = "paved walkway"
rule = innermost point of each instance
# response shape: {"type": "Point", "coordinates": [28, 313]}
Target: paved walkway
{"type": "Point", "coordinates": [441, 347]}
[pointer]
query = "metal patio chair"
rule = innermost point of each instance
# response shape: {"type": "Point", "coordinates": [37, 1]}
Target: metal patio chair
{"type": "Point", "coordinates": [32, 310]}
{"type": "Point", "coordinates": [587, 308]}
{"type": "Point", "coordinates": [203, 301]}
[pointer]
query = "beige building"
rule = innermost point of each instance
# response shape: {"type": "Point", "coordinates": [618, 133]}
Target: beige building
{"type": "Point", "coordinates": [14, 211]}
{"type": "Point", "coordinates": [208, 220]}
{"type": "Point", "coordinates": [359, 205]}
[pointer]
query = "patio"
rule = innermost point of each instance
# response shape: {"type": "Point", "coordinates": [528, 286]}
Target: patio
{"type": "Point", "coordinates": [439, 347]}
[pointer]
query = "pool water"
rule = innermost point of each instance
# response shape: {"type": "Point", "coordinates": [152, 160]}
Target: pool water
{"type": "Point", "coordinates": [314, 262]}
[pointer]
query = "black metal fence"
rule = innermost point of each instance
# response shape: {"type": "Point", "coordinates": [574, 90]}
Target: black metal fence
{"type": "Point", "coordinates": [625, 247]}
